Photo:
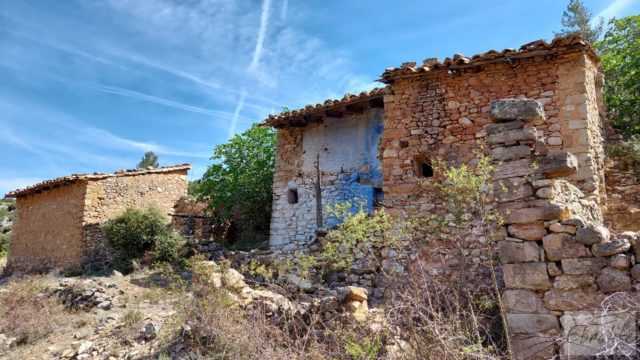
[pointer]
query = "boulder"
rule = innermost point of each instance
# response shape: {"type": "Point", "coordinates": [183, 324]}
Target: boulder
{"type": "Point", "coordinates": [352, 293]}
{"type": "Point", "coordinates": [592, 234]}
{"type": "Point", "coordinates": [506, 110]}
{"type": "Point", "coordinates": [560, 228]}
{"type": "Point", "coordinates": [611, 280]}
{"type": "Point", "coordinates": [506, 153]}
{"type": "Point", "coordinates": [558, 246]}
{"type": "Point", "coordinates": [635, 272]}
{"type": "Point", "coordinates": [515, 252]}
{"type": "Point", "coordinates": [511, 136]}
{"type": "Point", "coordinates": [528, 276]}
{"type": "Point", "coordinates": [523, 302]}
{"type": "Point", "coordinates": [501, 127]}
{"type": "Point", "coordinates": [233, 279]}
{"type": "Point", "coordinates": [611, 248]}
{"type": "Point", "coordinates": [571, 300]}
{"type": "Point", "coordinates": [587, 266]}
{"type": "Point", "coordinates": [532, 232]}
{"type": "Point", "coordinates": [610, 334]}
{"type": "Point", "coordinates": [532, 323]}
{"type": "Point", "coordinates": [559, 165]}
{"type": "Point", "coordinates": [620, 262]}
{"type": "Point", "coordinates": [570, 282]}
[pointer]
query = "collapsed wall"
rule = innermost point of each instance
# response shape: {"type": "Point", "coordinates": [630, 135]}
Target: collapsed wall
{"type": "Point", "coordinates": [560, 265]}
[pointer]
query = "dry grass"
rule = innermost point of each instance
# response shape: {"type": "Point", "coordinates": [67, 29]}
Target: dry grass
{"type": "Point", "coordinates": [26, 310]}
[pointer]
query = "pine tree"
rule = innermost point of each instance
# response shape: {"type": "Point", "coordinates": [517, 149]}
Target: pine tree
{"type": "Point", "coordinates": [150, 159]}
{"type": "Point", "coordinates": [576, 19]}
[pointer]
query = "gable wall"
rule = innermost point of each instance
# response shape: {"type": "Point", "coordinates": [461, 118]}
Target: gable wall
{"type": "Point", "coordinates": [47, 229]}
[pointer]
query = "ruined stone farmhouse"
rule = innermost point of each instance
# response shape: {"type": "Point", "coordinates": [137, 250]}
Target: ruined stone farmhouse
{"type": "Point", "coordinates": [57, 222]}
{"type": "Point", "coordinates": [537, 113]}
{"type": "Point", "coordinates": [377, 146]}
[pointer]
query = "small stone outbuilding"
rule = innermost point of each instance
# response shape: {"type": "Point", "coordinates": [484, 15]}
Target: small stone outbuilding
{"type": "Point", "coordinates": [57, 222]}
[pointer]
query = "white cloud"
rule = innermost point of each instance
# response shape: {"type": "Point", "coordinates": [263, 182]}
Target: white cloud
{"type": "Point", "coordinates": [236, 113]}
{"type": "Point", "coordinates": [262, 31]}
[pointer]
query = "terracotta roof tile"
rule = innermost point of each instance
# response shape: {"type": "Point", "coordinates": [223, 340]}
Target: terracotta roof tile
{"type": "Point", "coordinates": [50, 184]}
{"type": "Point", "coordinates": [348, 99]}
{"type": "Point", "coordinates": [539, 47]}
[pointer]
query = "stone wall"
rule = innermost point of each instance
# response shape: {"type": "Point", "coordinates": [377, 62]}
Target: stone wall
{"type": "Point", "coordinates": [560, 265]}
{"type": "Point", "coordinates": [47, 229]}
{"type": "Point", "coordinates": [111, 196]}
{"type": "Point", "coordinates": [439, 116]}
{"type": "Point", "coordinates": [347, 150]}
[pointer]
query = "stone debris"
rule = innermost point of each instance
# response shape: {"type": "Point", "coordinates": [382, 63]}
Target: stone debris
{"type": "Point", "coordinates": [85, 294]}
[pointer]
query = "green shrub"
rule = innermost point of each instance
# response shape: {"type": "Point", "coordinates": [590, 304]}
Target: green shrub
{"type": "Point", "coordinates": [5, 239]}
{"type": "Point", "coordinates": [141, 234]}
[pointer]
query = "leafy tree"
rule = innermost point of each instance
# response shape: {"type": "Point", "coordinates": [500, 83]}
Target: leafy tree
{"type": "Point", "coordinates": [620, 55]}
{"type": "Point", "coordinates": [577, 19]}
{"type": "Point", "coordinates": [150, 159]}
{"type": "Point", "coordinates": [239, 185]}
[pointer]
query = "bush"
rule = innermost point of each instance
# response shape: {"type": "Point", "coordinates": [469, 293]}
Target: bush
{"type": "Point", "coordinates": [141, 234]}
{"type": "Point", "coordinates": [5, 240]}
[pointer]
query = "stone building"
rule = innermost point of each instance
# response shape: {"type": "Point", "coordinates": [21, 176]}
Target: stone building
{"type": "Point", "coordinates": [537, 112]}
{"type": "Point", "coordinates": [377, 146]}
{"type": "Point", "coordinates": [57, 222]}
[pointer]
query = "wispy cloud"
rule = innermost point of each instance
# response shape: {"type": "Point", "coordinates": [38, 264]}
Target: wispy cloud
{"type": "Point", "coordinates": [158, 100]}
{"type": "Point", "coordinates": [236, 113]}
{"type": "Point", "coordinates": [283, 10]}
{"type": "Point", "coordinates": [615, 8]}
{"type": "Point", "coordinates": [262, 31]}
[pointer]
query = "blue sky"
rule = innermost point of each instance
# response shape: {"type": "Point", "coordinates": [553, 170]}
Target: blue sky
{"type": "Point", "coordinates": [90, 85]}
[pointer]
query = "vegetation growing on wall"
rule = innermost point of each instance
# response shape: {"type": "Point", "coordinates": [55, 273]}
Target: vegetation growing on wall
{"type": "Point", "coordinates": [238, 186]}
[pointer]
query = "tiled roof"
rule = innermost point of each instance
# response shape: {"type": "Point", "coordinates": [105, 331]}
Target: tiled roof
{"type": "Point", "coordinates": [286, 118]}
{"type": "Point", "coordinates": [50, 184]}
{"type": "Point", "coordinates": [561, 44]}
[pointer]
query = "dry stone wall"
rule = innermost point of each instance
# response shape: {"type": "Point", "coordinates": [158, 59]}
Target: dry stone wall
{"type": "Point", "coordinates": [559, 263]}
{"type": "Point", "coordinates": [111, 196]}
{"type": "Point", "coordinates": [57, 222]}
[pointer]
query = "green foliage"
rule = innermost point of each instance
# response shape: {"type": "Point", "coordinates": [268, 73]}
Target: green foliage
{"type": "Point", "coordinates": [620, 55]}
{"type": "Point", "coordinates": [133, 317]}
{"type": "Point", "coordinates": [150, 159]}
{"type": "Point", "coordinates": [137, 233]}
{"type": "Point", "coordinates": [193, 189]}
{"type": "Point", "coordinates": [363, 348]}
{"type": "Point", "coordinates": [355, 233]}
{"type": "Point", "coordinates": [239, 185]}
{"type": "Point", "coordinates": [577, 19]}
{"type": "Point", "coordinates": [5, 240]}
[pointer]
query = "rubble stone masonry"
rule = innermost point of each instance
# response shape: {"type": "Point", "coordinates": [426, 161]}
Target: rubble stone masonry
{"type": "Point", "coordinates": [57, 222]}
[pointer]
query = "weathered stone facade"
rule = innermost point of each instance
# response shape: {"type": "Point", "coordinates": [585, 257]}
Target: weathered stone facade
{"type": "Point", "coordinates": [57, 222]}
{"type": "Point", "coordinates": [436, 111]}
{"type": "Point", "coordinates": [559, 264]}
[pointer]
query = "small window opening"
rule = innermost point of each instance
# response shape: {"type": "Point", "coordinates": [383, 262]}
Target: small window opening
{"type": "Point", "coordinates": [378, 197]}
{"type": "Point", "coordinates": [292, 196]}
{"type": "Point", "coordinates": [423, 167]}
